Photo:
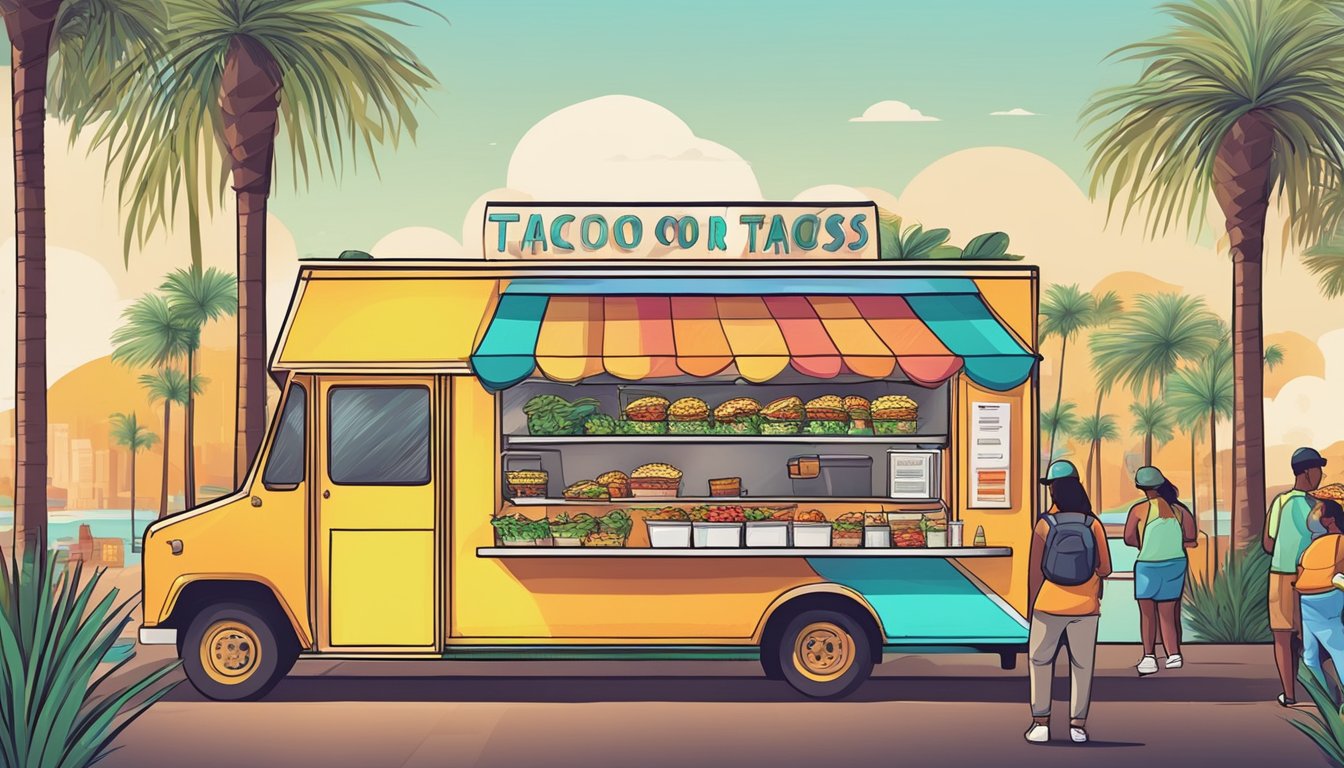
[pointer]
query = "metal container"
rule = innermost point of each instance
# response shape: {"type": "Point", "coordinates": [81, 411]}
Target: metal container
{"type": "Point", "coordinates": [955, 532]}
{"type": "Point", "coordinates": [841, 475]}
{"type": "Point", "coordinates": [716, 534]}
{"type": "Point", "coordinates": [811, 535]}
{"type": "Point", "coordinates": [768, 533]}
{"type": "Point", "coordinates": [877, 535]}
{"type": "Point", "coordinates": [541, 459]}
{"type": "Point", "coordinates": [669, 534]}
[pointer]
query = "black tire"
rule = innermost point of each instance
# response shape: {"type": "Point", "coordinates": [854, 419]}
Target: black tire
{"type": "Point", "coordinates": [770, 659]}
{"type": "Point", "coordinates": [252, 648]}
{"type": "Point", "coordinates": [836, 654]}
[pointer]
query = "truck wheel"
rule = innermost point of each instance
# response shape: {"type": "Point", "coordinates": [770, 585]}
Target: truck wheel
{"type": "Point", "coordinates": [770, 664]}
{"type": "Point", "coordinates": [235, 652]}
{"type": "Point", "coordinates": [824, 654]}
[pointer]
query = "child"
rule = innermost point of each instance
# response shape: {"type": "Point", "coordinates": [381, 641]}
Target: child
{"type": "Point", "coordinates": [1322, 601]}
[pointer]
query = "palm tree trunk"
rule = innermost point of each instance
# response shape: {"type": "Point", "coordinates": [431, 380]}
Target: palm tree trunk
{"type": "Point", "coordinates": [1148, 448]}
{"type": "Point", "coordinates": [29, 25]}
{"type": "Point", "coordinates": [1242, 178]}
{"type": "Point", "coordinates": [249, 103]}
{"type": "Point", "coordinates": [1087, 473]}
{"type": "Point", "coordinates": [1059, 394]}
{"type": "Point", "coordinates": [133, 452]}
{"type": "Point", "coordinates": [167, 439]}
{"type": "Point", "coordinates": [189, 436]}
{"type": "Point", "coordinates": [1194, 488]}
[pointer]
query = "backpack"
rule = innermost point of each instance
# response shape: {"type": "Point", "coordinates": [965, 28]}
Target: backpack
{"type": "Point", "coordinates": [1070, 549]}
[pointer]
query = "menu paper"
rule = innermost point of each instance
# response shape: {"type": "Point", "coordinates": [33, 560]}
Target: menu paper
{"type": "Point", "coordinates": [990, 455]}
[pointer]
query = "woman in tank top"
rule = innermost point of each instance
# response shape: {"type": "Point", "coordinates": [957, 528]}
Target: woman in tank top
{"type": "Point", "coordinates": [1159, 526]}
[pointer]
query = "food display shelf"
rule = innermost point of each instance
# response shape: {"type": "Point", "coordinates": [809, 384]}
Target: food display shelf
{"type": "Point", "coordinates": [713, 439]}
{"type": "Point", "coordinates": [656, 501]}
{"type": "Point", "coordinates": [942, 552]}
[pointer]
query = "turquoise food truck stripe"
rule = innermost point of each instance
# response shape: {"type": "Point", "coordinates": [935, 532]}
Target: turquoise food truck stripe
{"type": "Point", "coordinates": [925, 601]}
{"type": "Point", "coordinates": [993, 357]}
{"type": "Point", "coordinates": [733, 286]}
{"type": "Point", "coordinates": [506, 354]}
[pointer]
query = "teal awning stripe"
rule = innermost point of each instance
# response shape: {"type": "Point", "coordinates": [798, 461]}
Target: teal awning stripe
{"type": "Point", "coordinates": [737, 286]}
{"type": "Point", "coordinates": [506, 355]}
{"type": "Point", "coordinates": [992, 356]}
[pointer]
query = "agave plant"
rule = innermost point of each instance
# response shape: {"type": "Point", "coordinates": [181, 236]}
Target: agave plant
{"type": "Point", "coordinates": [1326, 727]}
{"type": "Point", "coordinates": [1232, 608]}
{"type": "Point", "coordinates": [57, 706]}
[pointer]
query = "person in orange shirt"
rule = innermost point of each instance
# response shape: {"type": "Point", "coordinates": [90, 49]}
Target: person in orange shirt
{"type": "Point", "coordinates": [1322, 600]}
{"type": "Point", "coordinates": [1069, 561]}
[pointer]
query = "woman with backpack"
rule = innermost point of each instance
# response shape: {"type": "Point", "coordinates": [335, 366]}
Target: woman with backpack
{"type": "Point", "coordinates": [1069, 562]}
{"type": "Point", "coordinates": [1160, 527]}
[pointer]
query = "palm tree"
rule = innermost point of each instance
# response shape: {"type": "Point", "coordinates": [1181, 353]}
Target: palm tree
{"type": "Point", "coordinates": [1152, 422]}
{"type": "Point", "coordinates": [152, 334]}
{"type": "Point", "coordinates": [87, 37]}
{"type": "Point", "coordinates": [198, 297]}
{"type": "Point", "coordinates": [1065, 312]}
{"type": "Point", "coordinates": [1204, 390]}
{"type": "Point", "coordinates": [127, 432]}
{"type": "Point", "coordinates": [233, 75]}
{"type": "Point", "coordinates": [1242, 100]}
{"type": "Point", "coordinates": [170, 386]}
{"type": "Point", "coordinates": [1109, 307]}
{"type": "Point", "coordinates": [1095, 430]}
{"type": "Point", "coordinates": [1062, 418]}
{"type": "Point", "coordinates": [1144, 346]}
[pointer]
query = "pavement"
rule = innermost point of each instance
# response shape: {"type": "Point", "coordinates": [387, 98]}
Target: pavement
{"type": "Point", "coordinates": [919, 711]}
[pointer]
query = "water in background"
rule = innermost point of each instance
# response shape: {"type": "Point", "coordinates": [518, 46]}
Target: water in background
{"type": "Point", "coordinates": [63, 526]}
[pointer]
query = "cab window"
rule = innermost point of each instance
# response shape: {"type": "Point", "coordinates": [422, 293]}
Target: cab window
{"type": "Point", "coordinates": [378, 435]}
{"type": "Point", "coordinates": [285, 466]}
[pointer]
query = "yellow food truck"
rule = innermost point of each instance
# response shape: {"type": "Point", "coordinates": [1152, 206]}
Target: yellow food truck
{"type": "Point", "coordinates": [628, 432]}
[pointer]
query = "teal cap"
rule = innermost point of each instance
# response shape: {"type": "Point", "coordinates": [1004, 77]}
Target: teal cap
{"type": "Point", "coordinates": [1058, 469]}
{"type": "Point", "coordinates": [1149, 477]}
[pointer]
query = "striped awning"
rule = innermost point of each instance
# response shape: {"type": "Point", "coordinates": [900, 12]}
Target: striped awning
{"type": "Point", "coordinates": [922, 329]}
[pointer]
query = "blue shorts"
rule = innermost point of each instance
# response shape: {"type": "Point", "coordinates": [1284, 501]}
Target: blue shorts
{"type": "Point", "coordinates": [1161, 581]}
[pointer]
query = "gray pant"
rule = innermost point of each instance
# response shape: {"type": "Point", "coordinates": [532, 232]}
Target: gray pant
{"type": "Point", "coordinates": [1048, 633]}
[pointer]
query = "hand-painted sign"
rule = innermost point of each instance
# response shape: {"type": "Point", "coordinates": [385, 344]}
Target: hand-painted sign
{"type": "Point", "coordinates": [681, 230]}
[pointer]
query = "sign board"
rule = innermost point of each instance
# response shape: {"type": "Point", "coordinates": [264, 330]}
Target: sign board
{"type": "Point", "coordinates": [681, 231]}
{"type": "Point", "coordinates": [991, 457]}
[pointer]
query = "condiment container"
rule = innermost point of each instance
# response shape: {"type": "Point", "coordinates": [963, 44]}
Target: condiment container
{"type": "Point", "coordinates": [980, 536]}
{"type": "Point", "coordinates": [955, 530]}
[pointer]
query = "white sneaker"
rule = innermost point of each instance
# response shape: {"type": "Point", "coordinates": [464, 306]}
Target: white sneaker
{"type": "Point", "coordinates": [1147, 666]}
{"type": "Point", "coordinates": [1038, 734]}
{"type": "Point", "coordinates": [1175, 661]}
{"type": "Point", "coordinates": [1079, 735]}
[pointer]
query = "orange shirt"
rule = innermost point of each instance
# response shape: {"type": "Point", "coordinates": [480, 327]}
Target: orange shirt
{"type": "Point", "coordinates": [1084, 599]}
{"type": "Point", "coordinates": [1322, 559]}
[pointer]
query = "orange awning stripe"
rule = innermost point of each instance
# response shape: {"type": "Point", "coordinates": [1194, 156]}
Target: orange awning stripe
{"type": "Point", "coordinates": [649, 337]}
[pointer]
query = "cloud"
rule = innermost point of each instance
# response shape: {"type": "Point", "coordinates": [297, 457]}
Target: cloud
{"type": "Point", "coordinates": [1014, 112]}
{"type": "Point", "coordinates": [624, 148]}
{"type": "Point", "coordinates": [417, 243]}
{"type": "Point", "coordinates": [83, 307]}
{"type": "Point", "coordinates": [1301, 413]}
{"type": "Point", "coordinates": [892, 112]}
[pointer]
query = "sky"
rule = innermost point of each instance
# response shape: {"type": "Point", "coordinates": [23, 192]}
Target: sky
{"type": "Point", "coordinates": [776, 81]}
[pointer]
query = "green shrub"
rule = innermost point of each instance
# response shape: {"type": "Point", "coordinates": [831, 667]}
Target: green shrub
{"type": "Point", "coordinates": [1233, 608]}
{"type": "Point", "coordinates": [53, 637]}
{"type": "Point", "coordinates": [1326, 727]}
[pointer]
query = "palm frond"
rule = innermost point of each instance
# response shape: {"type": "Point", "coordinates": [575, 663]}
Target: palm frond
{"type": "Point", "coordinates": [1274, 355]}
{"type": "Point", "coordinates": [1144, 346]}
{"type": "Point", "coordinates": [1154, 142]}
{"type": "Point", "coordinates": [1231, 608]}
{"type": "Point", "coordinates": [152, 334]}
{"type": "Point", "coordinates": [91, 39]}
{"type": "Point", "coordinates": [1065, 311]}
{"type": "Point", "coordinates": [127, 432]}
{"type": "Point", "coordinates": [167, 384]}
{"type": "Point", "coordinates": [199, 296]}
{"type": "Point", "coordinates": [1152, 419]}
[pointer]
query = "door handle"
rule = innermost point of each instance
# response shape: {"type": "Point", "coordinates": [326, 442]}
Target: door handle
{"type": "Point", "coordinates": [256, 501]}
{"type": "Point", "coordinates": [326, 494]}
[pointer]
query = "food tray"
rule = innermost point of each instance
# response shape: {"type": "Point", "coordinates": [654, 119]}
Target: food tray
{"type": "Point", "coordinates": [877, 536]}
{"type": "Point", "coordinates": [812, 534]}
{"type": "Point", "coordinates": [669, 533]}
{"type": "Point", "coordinates": [767, 533]}
{"type": "Point", "coordinates": [716, 534]}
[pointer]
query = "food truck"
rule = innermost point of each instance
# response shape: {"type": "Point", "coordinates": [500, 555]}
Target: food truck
{"type": "Point", "coordinates": [628, 432]}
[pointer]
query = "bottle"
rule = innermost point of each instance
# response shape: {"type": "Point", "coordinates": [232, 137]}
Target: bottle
{"type": "Point", "coordinates": [979, 536]}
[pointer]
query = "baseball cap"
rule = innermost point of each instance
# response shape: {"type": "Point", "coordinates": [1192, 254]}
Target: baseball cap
{"type": "Point", "coordinates": [1058, 469]}
{"type": "Point", "coordinates": [1149, 477]}
{"type": "Point", "coordinates": [1306, 458]}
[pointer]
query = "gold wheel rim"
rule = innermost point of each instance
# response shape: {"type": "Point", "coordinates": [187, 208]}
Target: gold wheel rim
{"type": "Point", "coordinates": [230, 652]}
{"type": "Point", "coordinates": [823, 652]}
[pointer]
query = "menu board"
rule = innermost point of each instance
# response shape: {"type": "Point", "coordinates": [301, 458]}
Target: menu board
{"type": "Point", "coordinates": [990, 455]}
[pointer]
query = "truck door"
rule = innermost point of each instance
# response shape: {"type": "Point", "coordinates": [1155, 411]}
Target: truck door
{"type": "Point", "coordinates": [376, 516]}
